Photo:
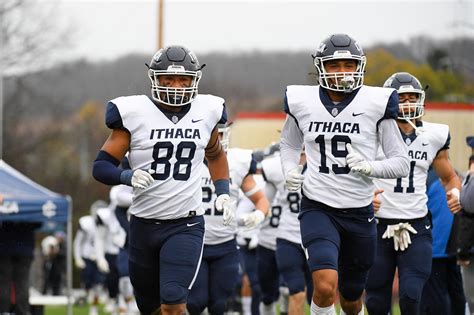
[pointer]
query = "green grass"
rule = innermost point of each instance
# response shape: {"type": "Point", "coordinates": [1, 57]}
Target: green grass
{"type": "Point", "coordinates": [84, 310]}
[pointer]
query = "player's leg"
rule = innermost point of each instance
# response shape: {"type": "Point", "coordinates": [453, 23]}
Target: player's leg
{"type": "Point", "coordinates": [112, 282]}
{"type": "Point", "coordinates": [144, 265]}
{"type": "Point", "coordinates": [435, 299]}
{"type": "Point", "coordinates": [268, 278]}
{"type": "Point", "coordinates": [224, 273]}
{"type": "Point", "coordinates": [357, 255]}
{"type": "Point", "coordinates": [322, 247]}
{"type": "Point", "coordinates": [250, 268]}
{"type": "Point", "coordinates": [199, 294]}
{"type": "Point", "coordinates": [291, 262]}
{"type": "Point", "coordinates": [180, 258]}
{"type": "Point", "coordinates": [6, 274]}
{"type": "Point", "coordinates": [379, 284]}
{"type": "Point", "coordinates": [414, 268]}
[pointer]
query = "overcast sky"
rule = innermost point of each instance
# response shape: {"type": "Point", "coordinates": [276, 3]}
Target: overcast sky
{"type": "Point", "coordinates": [106, 29]}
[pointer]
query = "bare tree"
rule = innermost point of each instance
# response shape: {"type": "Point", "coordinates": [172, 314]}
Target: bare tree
{"type": "Point", "coordinates": [28, 34]}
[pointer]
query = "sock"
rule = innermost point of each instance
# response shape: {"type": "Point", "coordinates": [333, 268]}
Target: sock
{"type": "Point", "coordinates": [316, 310]}
{"type": "Point", "coordinates": [247, 305]}
{"type": "Point", "coordinates": [362, 312]}
{"type": "Point", "coordinates": [268, 309]}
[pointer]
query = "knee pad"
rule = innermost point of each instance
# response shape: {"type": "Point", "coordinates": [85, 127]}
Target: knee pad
{"type": "Point", "coordinates": [351, 291]}
{"type": "Point", "coordinates": [173, 293]}
{"type": "Point", "coordinates": [194, 308]}
{"type": "Point", "coordinates": [218, 307]}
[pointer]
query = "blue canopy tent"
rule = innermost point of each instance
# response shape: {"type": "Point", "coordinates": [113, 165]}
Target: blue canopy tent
{"type": "Point", "coordinates": [27, 201]}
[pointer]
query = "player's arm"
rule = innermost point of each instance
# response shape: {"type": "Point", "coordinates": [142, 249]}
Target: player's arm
{"type": "Point", "coordinates": [291, 143]}
{"type": "Point", "coordinates": [99, 244]}
{"type": "Point", "coordinates": [78, 243]}
{"type": "Point", "coordinates": [449, 179]}
{"type": "Point", "coordinates": [217, 163]}
{"type": "Point", "coordinates": [255, 194]}
{"type": "Point", "coordinates": [396, 164]}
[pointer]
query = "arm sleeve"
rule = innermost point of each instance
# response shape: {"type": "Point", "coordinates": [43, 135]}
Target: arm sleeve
{"type": "Point", "coordinates": [291, 144]}
{"type": "Point", "coordinates": [396, 164]}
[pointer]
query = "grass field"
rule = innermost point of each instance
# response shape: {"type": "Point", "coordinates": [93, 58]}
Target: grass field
{"type": "Point", "coordinates": [83, 310]}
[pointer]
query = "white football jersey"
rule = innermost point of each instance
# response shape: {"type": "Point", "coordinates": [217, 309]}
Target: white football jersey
{"type": "Point", "coordinates": [108, 218]}
{"type": "Point", "coordinates": [170, 146]}
{"type": "Point", "coordinates": [240, 163]}
{"type": "Point", "coordinates": [405, 198]}
{"type": "Point", "coordinates": [326, 129]}
{"type": "Point", "coordinates": [87, 226]}
{"type": "Point", "coordinates": [283, 219]}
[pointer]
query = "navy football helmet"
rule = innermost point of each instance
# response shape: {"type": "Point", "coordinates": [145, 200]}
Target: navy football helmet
{"type": "Point", "coordinates": [404, 82]}
{"type": "Point", "coordinates": [174, 60]}
{"type": "Point", "coordinates": [340, 46]}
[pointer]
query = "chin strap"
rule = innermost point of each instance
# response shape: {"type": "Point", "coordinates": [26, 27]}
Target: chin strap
{"type": "Point", "coordinates": [418, 130]}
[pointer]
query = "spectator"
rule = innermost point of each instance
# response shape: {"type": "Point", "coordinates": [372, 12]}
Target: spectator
{"type": "Point", "coordinates": [466, 235]}
{"type": "Point", "coordinates": [16, 247]}
{"type": "Point", "coordinates": [443, 292]}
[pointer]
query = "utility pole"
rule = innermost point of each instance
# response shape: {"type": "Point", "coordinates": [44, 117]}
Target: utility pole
{"type": "Point", "coordinates": [161, 4]}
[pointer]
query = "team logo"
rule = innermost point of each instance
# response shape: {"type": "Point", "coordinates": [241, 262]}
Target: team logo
{"type": "Point", "coordinates": [334, 112]}
{"type": "Point", "coordinates": [356, 44]}
{"type": "Point", "coordinates": [322, 48]}
{"type": "Point", "coordinates": [174, 119]}
{"type": "Point", "coordinates": [193, 57]}
{"type": "Point", "coordinates": [9, 207]}
{"type": "Point", "coordinates": [408, 141]}
{"type": "Point", "coordinates": [157, 55]}
{"type": "Point", "coordinates": [49, 209]}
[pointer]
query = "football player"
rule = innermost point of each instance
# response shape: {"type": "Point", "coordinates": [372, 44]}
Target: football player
{"type": "Point", "coordinates": [85, 256]}
{"type": "Point", "coordinates": [290, 256]}
{"type": "Point", "coordinates": [218, 274]}
{"type": "Point", "coordinates": [403, 227]}
{"type": "Point", "coordinates": [341, 122]}
{"type": "Point", "coordinates": [167, 137]}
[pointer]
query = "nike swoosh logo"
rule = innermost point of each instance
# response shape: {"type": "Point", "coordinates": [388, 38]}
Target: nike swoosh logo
{"type": "Point", "coordinates": [195, 121]}
{"type": "Point", "coordinates": [427, 227]}
{"type": "Point", "coordinates": [371, 219]}
{"type": "Point", "coordinates": [358, 114]}
{"type": "Point", "coordinates": [424, 144]}
{"type": "Point", "coordinates": [192, 224]}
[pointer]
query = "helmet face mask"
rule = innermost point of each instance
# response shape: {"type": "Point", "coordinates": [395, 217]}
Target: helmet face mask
{"type": "Point", "coordinates": [411, 94]}
{"type": "Point", "coordinates": [174, 61]}
{"type": "Point", "coordinates": [340, 47]}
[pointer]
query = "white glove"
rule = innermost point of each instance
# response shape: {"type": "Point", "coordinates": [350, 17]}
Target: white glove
{"type": "Point", "coordinates": [252, 219]}
{"type": "Point", "coordinates": [356, 162]}
{"type": "Point", "coordinates": [103, 265]}
{"type": "Point", "coordinates": [226, 205]}
{"type": "Point", "coordinates": [294, 178]}
{"type": "Point", "coordinates": [253, 241]}
{"type": "Point", "coordinates": [405, 238]}
{"type": "Point", "coordinates": [80, 263]}
{"type": "Point", "coordinates": [401, 235]}
{"type": "Point", "coordinates": [141, 179]}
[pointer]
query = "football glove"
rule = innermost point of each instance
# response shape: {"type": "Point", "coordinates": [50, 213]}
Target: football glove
{"type": "Point", "coordinates": [103, 265]}
{"type": "Point", "coordinates": [401, 235]}
{"type": "Point", "coordinates": [225, 204]}
{"type": "Point", "coordinates": [252, 219]}
{"type": "Point", "coordinates": [141, 179]}
{"type": "Point", "coordinates": [356, 162]}
{"type": "Point", "coordinates": [253, 243]}
{"type": "Point", "coordinates": [80, 263]}
{"type": "Point", "coordinates": [294, 178]}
